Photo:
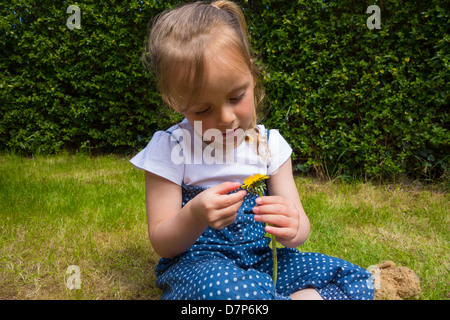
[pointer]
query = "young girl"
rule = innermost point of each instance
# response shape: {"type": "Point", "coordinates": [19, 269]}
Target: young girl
{"type": "Point", "coordinates": [211, 233]}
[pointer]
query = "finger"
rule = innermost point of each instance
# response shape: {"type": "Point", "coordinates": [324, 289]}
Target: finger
{"type": "Point", "coordinates": [233, 208]}
{"type": "Point", "coordinates": [225, 188]}
{"type": "Point", "coordinates": [224, 218]}
{"type": "Point", "coordinates": [275, 220]}
{"type": "Point", "coordinates": [221, 224]}
{"type": "Point", "coordinates": [270, 208]}
{"type": "Point", "coordinates": [269, 200]}
{"type": "Point", "coordinates": [234, 199]}
{"type": "Point", "coordinates": [280, 233]}
{"type": "Point", "coordinates": [229, 204]}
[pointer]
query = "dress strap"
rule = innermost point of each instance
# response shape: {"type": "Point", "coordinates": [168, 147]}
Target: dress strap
{"type": "Point", "coordinates": [173, 136]}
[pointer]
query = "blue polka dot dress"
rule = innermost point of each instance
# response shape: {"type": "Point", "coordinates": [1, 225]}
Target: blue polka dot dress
{"type": "Point", "coordinates": [235, 263]}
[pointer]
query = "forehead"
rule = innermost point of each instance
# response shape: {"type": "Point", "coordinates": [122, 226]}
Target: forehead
{"type": "Point", "coordinates": [221, 71]}
{"type": "Point", "coordinates": [225, 70]}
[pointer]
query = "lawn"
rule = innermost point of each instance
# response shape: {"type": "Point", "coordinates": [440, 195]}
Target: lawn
{"type": "Point", "coordinates": [89, 212]}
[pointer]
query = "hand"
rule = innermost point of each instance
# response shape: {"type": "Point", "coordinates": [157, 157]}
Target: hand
{"type": "Point", "coordinates": [215, 207]}
{"type": "Point", "coordinates": [282, 216]}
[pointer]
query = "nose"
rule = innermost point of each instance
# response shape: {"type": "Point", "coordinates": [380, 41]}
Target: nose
{"type": "Point", "coordinates": [226, 116]}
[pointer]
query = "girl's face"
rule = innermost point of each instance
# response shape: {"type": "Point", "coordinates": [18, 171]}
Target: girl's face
{"type": "Point", "coordinates": [226, 101]}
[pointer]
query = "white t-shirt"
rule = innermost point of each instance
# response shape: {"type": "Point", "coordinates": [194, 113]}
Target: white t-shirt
{"type": "Point", "coordinates": [179, 155]}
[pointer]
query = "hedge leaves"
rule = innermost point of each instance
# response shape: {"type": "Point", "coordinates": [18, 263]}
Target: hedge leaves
{"type": "Point", "coordinates": [350, 100]}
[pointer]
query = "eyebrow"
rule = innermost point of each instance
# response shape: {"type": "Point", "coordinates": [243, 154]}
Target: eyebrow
{"type": "Point", "coordinates": [237, 88]}
{"type": "Point", "coordinates": [244, 86]}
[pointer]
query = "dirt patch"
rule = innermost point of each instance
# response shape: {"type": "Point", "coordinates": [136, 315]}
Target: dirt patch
{"type": "Point", "coordinates": [395, 283]}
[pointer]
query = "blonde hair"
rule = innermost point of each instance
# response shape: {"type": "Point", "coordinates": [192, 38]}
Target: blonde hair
{"type": "Point", "coordinates": [181, 40]}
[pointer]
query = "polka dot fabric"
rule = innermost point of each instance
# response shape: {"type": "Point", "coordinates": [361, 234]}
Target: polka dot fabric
{"type": "Point", "coordinates": [235, 263]}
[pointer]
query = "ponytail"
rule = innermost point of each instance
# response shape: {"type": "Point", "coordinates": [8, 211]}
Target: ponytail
{"type": "Point", "coordinates": [238, 16]}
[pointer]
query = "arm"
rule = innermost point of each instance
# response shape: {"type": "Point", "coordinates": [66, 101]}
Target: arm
{"type": "Point", "coordinates": [173, 229]}
{"type": "Point", "coordinates": [283, 209]}
{"type": "Point", "coordinates": [165, 218]}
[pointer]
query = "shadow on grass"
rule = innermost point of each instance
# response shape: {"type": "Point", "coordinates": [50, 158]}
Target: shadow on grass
{"type": "Point", "coordinates": [130, 273]}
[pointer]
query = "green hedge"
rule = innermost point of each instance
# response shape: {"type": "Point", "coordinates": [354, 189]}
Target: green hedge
{"type": "Point", "coordinates": [357, 101]}
{"type": "Point", "coordinates": [351, 101]}
{"type": "Point", "coordinates": [76, 88]}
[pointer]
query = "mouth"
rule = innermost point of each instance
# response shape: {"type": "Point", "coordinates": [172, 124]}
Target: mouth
{"type": "Point", "coordinates": [230, 133]}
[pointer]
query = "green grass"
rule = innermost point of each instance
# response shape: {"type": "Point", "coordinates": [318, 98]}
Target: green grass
{"type": "Point", "coordinates": [73, 210]}
{"type": "Point", "coordinates": [76, 210]}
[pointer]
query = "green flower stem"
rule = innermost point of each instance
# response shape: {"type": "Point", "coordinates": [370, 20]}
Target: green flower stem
{"type": "Point", "coordinates": [257, 187]}
{"type": "Point", "coordinates": [260, 192]}
{"type": "Point", "coordinates": [275, 261]}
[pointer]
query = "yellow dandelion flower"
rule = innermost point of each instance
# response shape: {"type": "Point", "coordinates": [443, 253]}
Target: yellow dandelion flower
{"type": "Point", "coordinates": [252, 180]}
{"type": "Point", "coordinates": [255, 184]}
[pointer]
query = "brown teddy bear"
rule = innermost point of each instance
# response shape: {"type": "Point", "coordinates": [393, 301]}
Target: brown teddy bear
{"type": "Point", "coordinates": [394, 283]}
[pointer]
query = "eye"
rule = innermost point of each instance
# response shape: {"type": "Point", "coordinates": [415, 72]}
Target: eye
{"type": "Point", "coordinates": [238, 98]}
{"type": "Point", "coordinates": [204, 111]}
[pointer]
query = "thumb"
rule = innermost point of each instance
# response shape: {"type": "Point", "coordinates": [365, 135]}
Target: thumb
{"type": "Point", "coordinates": [226, 187]}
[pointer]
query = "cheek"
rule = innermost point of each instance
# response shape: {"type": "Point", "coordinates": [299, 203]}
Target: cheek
{"type": "Point", "coordinates": [206, 125]}
{"type": "Point", "coordinates": [248, 108]}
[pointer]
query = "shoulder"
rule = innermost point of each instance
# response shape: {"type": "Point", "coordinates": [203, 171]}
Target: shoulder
{"type": "Point", "coordinates": [183, 126]}
{"type": "Point", "coordinates": [169, 136]}
{"type": "Point", "coordinates": [273, 136]}
{"type": "Point", "coordinates": [279, 149]}
{"type": "Point", "coordinates": [162, 156]}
